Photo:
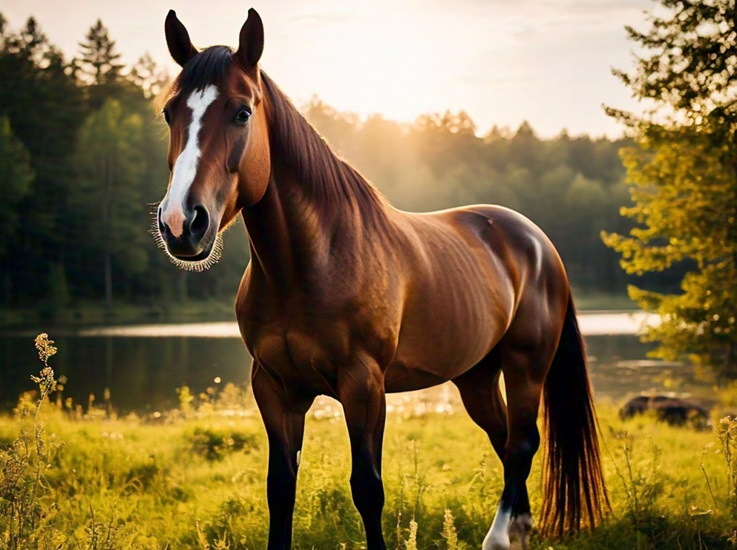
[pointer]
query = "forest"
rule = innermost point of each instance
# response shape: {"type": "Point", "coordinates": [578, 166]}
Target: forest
{"type": "Point", "coordinates": [83, 164]}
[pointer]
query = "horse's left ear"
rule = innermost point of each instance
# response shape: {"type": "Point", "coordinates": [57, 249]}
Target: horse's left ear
{"type": "Point", "coordinates": [251, 42]}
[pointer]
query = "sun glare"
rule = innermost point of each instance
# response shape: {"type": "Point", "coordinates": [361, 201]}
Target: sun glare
{"type": "Point", "coordinates": [375, 63]}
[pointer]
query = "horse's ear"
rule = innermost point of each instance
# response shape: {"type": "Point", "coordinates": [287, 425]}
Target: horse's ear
{"type": "Point", "coordinates": [177, 38]}
{"type": "Point", "coordinates": [251, 42]}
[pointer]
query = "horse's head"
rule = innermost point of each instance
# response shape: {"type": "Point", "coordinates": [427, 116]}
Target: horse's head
{"type": "Point", "coordinates": [218, 148]}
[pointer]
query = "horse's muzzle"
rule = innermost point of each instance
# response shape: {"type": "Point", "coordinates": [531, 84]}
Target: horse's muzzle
{"type": "Point", "coordinates": [185, 233]}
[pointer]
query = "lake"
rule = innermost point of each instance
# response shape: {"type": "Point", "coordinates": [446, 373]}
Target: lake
{"type": "Point", "coordinates": [142, 365]}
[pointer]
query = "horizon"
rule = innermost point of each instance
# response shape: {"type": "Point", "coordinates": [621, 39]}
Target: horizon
{"type": "Point", "coordinates": [503, 63]}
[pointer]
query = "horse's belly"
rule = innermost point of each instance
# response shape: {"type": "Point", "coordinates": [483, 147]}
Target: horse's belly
{"type": "Point", "coordinates": [399, 378]}
{"type": "Point", "coordinates": [440, 341]}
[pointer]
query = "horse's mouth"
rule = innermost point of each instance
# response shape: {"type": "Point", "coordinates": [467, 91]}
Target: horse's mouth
{"type": "Point", "coordinates": [202, 261]}
{"type": "Point", "coordinates": [197, 257]}
{"type": "Point", "coordinates": [205, 259]}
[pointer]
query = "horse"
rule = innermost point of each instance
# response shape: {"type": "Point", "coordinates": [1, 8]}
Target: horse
{"type": "Point", "coordinates": [348, 297]}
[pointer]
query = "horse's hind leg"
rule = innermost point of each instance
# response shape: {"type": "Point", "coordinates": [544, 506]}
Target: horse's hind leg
{"type": "Point", "coordinates": [482, 398]}
{"type": "Point", "coordinates": [525, 363]}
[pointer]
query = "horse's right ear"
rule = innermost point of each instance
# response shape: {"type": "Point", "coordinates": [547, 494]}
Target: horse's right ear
{"type": "Point", "coordinates": [177, 38]}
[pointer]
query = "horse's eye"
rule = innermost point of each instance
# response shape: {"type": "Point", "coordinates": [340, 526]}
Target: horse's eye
{"type": "Point", "coordinates": [243, 115]}
{"type": "Point", "coordinates": [167, 116]}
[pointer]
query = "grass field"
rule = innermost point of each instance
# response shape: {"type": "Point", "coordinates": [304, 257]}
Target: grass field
{"type": "Point", "coordinates": [195, 478]}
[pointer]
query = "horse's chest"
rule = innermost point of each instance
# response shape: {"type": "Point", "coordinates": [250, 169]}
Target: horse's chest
{"type": "Point", "coordinates": [308, 349]}
{"type": "Point", "coordinates": [297, 358]}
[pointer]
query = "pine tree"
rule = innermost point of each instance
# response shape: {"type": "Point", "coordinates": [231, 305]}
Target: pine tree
{"type": "Point", "coordinates": [683, 175]}
{"type": "Point", "coordinates": [98, 65]}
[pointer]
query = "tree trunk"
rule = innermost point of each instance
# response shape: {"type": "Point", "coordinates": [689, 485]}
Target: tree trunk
{"type": "Point", "coordinates": [107, 220]}
{"type": "Point", "coordinates": [108, 282]}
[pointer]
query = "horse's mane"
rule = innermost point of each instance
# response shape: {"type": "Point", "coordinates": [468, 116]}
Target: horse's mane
{"type": "Point", "coordinates": [304, 149]}
{"type": "Point", "coordinates": [292, 139]}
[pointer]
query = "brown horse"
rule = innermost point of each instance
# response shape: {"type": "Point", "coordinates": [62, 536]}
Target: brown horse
{"type": "Point", "coordinates": [348, 297]}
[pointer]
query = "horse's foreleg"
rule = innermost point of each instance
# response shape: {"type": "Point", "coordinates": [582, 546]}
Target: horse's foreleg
{"type": "Point", "coordinates": [361, 391]}
{"type": "Point", "coordinates": [283, 414]}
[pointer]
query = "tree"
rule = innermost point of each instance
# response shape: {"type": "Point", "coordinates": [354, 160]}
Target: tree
{"type": "Point", "coordinates": [16, 176]}
{"type": "Point", "coordinates": [44, 107]}
{"type": "Point", "coordinates": [106, 199]}
{"type": "Point", "coordinates": [147, 76]}
{"type": "Point", "coordinates": [98, 64]}
{"type": "Point", "coordinates": [683, 175]}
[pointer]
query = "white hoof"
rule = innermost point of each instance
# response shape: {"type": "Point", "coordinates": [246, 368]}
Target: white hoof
{"type": "Point", "coordinates": [498, 536]}
{"type": "Point", "coordinates": [519, 531]}
{"type": "Point", "coordinates": [501, 543]}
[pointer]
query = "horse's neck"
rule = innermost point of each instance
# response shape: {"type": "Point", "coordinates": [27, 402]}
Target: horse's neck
{"type": "Point", "coordinates": [312, 201]}
{"type": "Point", "coordinates": [291, 234]}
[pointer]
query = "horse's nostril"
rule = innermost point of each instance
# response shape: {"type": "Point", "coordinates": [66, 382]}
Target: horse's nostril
{"type": "Point", "coordinates": [199, 223]}
{"type": "Point", "coordinates": [162, 227]}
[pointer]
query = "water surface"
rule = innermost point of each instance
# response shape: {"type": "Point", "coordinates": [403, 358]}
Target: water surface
{"type": "Point", "coordinates": [142, 365]}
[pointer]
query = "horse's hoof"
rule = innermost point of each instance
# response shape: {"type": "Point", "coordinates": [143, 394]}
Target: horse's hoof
{"type": "Point", "coordinates": [496, 543]}
{"type": "Point", "coordinates": [519, 531]}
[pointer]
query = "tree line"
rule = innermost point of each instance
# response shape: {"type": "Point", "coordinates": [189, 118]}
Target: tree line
{"type": "Point", "coordinates": [83, 162]}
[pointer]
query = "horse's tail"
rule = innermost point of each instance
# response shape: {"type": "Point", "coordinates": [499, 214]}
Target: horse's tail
{"type": "Point", "coordinates": [573, 482]}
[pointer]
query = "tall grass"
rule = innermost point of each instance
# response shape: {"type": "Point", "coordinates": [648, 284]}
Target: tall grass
{"type": "Point", "coordinates": [23, 483]}
{"type": "Point", "coordinates": [195, 478]}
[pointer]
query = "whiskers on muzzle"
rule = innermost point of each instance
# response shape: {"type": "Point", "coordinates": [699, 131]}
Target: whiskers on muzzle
{"type": "Point", "coordinates": [216, 251]}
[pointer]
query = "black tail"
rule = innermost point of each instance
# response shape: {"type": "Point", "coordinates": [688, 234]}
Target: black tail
{"type": "Point", "coordinates": [573, 482]}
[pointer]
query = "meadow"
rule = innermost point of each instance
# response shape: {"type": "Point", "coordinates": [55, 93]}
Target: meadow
{"type": "Point", "coordinates": [194, 477]}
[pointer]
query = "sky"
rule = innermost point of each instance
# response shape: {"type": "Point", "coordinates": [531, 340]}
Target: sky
{"type": "Point", "coordinates": [502, 61]}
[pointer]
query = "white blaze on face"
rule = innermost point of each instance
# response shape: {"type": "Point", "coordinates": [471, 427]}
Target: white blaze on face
{"type": "Point", "coordinates": [185, 167]}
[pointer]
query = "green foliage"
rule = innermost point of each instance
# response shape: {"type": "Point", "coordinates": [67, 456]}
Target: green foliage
{"type": "Point", "coordinates": [148, 77]}
{"type": "Point", "coordinates": [16, 176]}
{"type": "Point", "coordinates": [683, 176]}
{"type": "Point", "coordinates": [44, 107]}
{"type": "Point", "coordinates": [185, 399]}
{"type": "Point", "coordinates": [107, 196]}
{"type": "Point", "coordinates": [24, 463]}
{"type": "Point", "coordinates": [727, 431]}
{"type": "Point", "coordinates": [449, 531]}
{"type": "Point", "coordinates": [215, 444]}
